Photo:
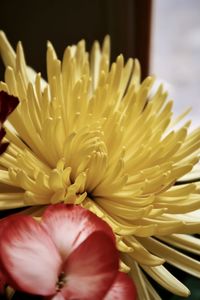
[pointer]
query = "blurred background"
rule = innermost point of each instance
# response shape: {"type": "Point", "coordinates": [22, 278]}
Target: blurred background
{"type": "Point", "coordinates": [65, 22]}
{"type": "Point", "coordinates": [175, 52]}
{"type": "Point", "coordinates": [163, 34]}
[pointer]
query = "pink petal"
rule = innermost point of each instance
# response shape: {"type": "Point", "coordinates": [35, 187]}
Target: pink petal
{"type": "Point", "coordinates": [3, 223]}
{"type": "Point", "coordinates": [122, 288]}
{"type": "Point", "coordinates": [70, 225]}
{"type": "Point", "coordinates": [29, 256]}
{"type": "Point", "coordinates": [91, 268]}
{"type": "Point", "coordinates": [58, 296]}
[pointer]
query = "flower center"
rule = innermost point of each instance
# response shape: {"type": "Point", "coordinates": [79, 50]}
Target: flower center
{"type": "Point", "coordinates": [61, 281]}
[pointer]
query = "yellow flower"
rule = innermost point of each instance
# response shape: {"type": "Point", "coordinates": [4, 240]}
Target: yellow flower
{"type": "Point", "coordinates": [96, 136]}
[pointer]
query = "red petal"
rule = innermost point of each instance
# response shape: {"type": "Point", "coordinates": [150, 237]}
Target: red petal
{"type": "Point", "coordinates": [70, 225]}
{"type": "Point", "coordinates": [122, 288]}
{"type": "Point", "coordinates": [29, 256]}
{"type": "Point", "coordinates": [7, 104]}
{"type": "Point", "coordinates": [91, 268]}
{"type": "Point", "coordinates": [2, 282]}
{"type": "Point", "coordinates": [3, 147]}
{"type": "Point", "coordinates": [2, 133]}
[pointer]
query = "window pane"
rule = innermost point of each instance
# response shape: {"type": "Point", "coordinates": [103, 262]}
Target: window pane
{"type": "Point", "coordinates": [175, 52]}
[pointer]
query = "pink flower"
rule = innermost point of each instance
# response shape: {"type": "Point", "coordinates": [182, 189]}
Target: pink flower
{"type": "Point", "coordinates": [70, 254]}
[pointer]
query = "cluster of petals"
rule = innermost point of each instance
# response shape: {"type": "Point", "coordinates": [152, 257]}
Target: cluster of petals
{"type": "Point", "coordinates": [69, 254]}
{"type": "Point", "coordinates": [93, 134]}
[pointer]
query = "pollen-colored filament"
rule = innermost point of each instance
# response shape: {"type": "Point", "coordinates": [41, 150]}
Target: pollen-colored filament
{"type": "Point", "coordinates": [61, 281]}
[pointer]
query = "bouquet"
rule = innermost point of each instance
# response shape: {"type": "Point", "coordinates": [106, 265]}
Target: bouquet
{"type": "Point", "coordinates": [96, 162]}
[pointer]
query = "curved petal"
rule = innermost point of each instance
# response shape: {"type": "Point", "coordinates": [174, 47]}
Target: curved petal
{"type": "Point", "coordinates": [91, 268]}
{"type": "Point", "coordinates": [122, 288]}
{"type": "Point", "coordinates": [29, 256]}
{"type": "Point", "coordinates": [3, 273]}
{"type": "Point", "coordinates": [5, 221]}
{"type": "Point", "coordinates": [70, 225]}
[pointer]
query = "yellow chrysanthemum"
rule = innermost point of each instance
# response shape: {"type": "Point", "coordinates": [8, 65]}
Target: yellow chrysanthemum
{"type": "Point", "coordinates": [95, 136]}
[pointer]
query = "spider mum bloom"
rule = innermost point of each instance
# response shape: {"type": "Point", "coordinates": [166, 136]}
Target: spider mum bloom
{"type": "Point", "coordinates": [70, 254]}
{"type": "Point", "coordinates": [94, 135]}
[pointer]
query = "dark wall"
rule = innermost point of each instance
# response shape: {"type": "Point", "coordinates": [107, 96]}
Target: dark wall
{"type": "Point", "coordinates": [64, 22]}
